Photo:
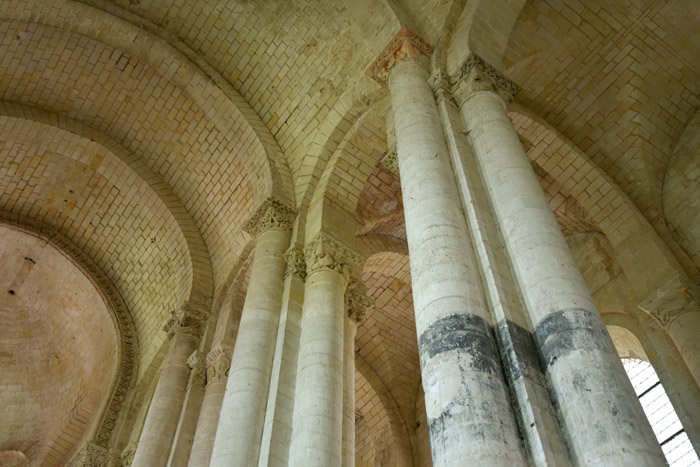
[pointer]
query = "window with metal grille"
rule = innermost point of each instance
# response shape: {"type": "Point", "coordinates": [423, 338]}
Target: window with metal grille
{"type": "Point", "coordinates": [674, 441]}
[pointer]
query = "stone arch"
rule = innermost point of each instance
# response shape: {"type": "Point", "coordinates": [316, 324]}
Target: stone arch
{"type": "Point", "coordinates": [334, 203]}
{"type": "Point", "coordinates": [401, 453]}
{"type": "Point", "coordinates": [202, 277]}
{"type": "Point", "coordinates": [350, 107]}
{"type": "Point", "coordinates": [56, 161]}
{"type": "Point", "coordinates": [188, 71]}
{"type": "Point", "coordinates": [483, 29]}
{"type": "Point", "coordinates": [618, 218]}
{"type": "Point", "coordinates": [682, 177]}
{"type": "Point", "coordinates": [127, 362]}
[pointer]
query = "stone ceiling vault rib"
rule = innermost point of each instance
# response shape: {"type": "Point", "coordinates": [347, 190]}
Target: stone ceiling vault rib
{"type": "Point", "coordinates": [202, 286]}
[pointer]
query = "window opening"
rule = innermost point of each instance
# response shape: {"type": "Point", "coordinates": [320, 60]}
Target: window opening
{"type": "Point", "coordinates": [664, 421]}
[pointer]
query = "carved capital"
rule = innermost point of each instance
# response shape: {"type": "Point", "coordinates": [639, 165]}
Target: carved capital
{"type": "Point", "coordinates": [442, 90]}
{"type": "Point", "coordinates": [90, 455]}
{"type": "Point", "coordinates": [476, 75]}
{"type": "Point", "coordinates": [187, 319]}
{"type": "Point", "coordinates": [406, 45]}
{"type": "Point", "coordinates": [127, 455]}
{"type": "Point", "coordinates": [675, 296]}
{"type": "Point", "coordinates": [296, 264]}
{"type": "Point", "coordinates": [357, 303]}
{"type": "Point", "coordinates": [198, 375]}
{"type": "Point", "coordinates": [391, 160]}
{"type": "Point", "coordinates": [218, 363]}
{"type": "Point", "coordinates": [326, 253]}
{"type": "Point", "coordinates": [272, 214]}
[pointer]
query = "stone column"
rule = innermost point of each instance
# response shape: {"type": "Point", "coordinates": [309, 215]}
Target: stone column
{"type": "Point", "coordinates": [217, 362]}
{"type": "Point", "coordinates": [239, 433]}
{"type": "Point", "coordinates": [470, 418]}
{"type": "Point", "coordinates": [184, 436]}
{"type": "Point", "coordinates": [277, 434]}
{"type": "Point", "coordinates": [676, 306]}
{"type": "Point", "coordinates": [597, 405]}
{"type": "Point", "coordinates": [184, 330]}
{"type": "Point", "coordinates": [317, 428]}
{"type": "Point", "coordinates": [357, 303]}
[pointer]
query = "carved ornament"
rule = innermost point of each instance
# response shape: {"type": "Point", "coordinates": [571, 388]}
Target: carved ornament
{"type": "Point", "coordinates": [675, 296]}
{"type": "Point", "coordinates": [391, 160]}
{"type": "Point", "coordinates": [127, 455]}
{"type": "Point", "coordinates": [187, 319]}
{"type": "Point", "coordinates": [326, 253]}
{"type": "Point", "coordinates": [296, 264]}
{"type": "Point", "coordinates": [91, 455]}
{"type": "Point", "coordinates": [440, 84]}
{"type": "Point", "coordinates": [198, 375]}
{"type": "Point", "coordinates": [218, 364]}
{"type": "Point", "coordinates": [475, 75]}
{"type": "Point", "coordinates": [357, 303]}
{"type": "Point", "coordinates": [406, 45]}
{"type": "Point", "coordinates": [272, 214]}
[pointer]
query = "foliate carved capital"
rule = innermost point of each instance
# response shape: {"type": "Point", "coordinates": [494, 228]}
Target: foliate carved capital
{"type": "Point", "coordinates": [218, 363]}
{"type": "Point", "coordinates": [127, 455]}
{"type": "Point", "coordinates": [272, 214]}
{"type": "Point", "coordinates": [675, 296]}
{"type": "Point", "coordinates": [326, 253]}
{"type": "Point", "coordinates": [188, 319]}
{"type": "Point", "coordinates": [198, 375]}
{"type": "Point", "coordinates": [391, 160]}
{"type": "Point", "coordinates": [440, 84]}
{"type": "Point", "coordinates": [357, 303]}
{"type": "Point", "coordinates": [475, 75]}
{"type": "Point", "coordinates": [90, 455]}
{"type": "Point", "coordinates": [406, 45]}
{"type": "Point", "coordinates": [296, 263]}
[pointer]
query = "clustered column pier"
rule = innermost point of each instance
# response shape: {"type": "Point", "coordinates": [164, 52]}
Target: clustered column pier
{"type": "Point", "coordinates": [317, 429]}
{"type": "Point", "coordinates": [185, 331]}
{"type": "Point", "coordinates": [357, 304]}
{"type": "Point", "coordinates": [471, 421]}
{"type": "Point", "coordinates": [239, 432]}
{"type": "Point", "coordinates": [598, 408]}
{"type": "Point", "coordinates": [217, 364]}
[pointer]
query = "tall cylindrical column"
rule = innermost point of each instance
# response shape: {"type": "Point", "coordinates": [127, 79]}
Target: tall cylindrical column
{"type": "Point", "coordinates": [349, 392]}
{"type": "Point", "coordinates": [184, 330]}
{"type": "Point", "coordinates": [356, 306]}
{"type": "Point", "coordinates": [239, 433]}
{"type": "Point", "coordinates": [317, 427]}
{"type": "Point", "coordinates": [218, 362]}
{"type": "Point", "coordinates": [598, 408]}
{"type": "Point", "coordinates": [184, 435]}
{"type": "Point", "coordinates": [470, 418]}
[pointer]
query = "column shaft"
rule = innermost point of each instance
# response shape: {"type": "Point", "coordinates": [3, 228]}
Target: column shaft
{"type": "Point", "coordinates": [218, 361]}
{"type": "Point", "coordinates": [239, 432]}
{"type": "Point", "coordinates": [161, 421]}
{"type": "Point", "coordinates": [349, 332]}
{"type": "Point", "coordinates": [184, 435]}
{"type": "Point", "coordinates": [317, 428]}
{"type": "Point", "coordinates": [598, 408]}
{"type": "Point", "coordinates": [277, 434]}
{"type": "Point", "coordinates": [470, 418]}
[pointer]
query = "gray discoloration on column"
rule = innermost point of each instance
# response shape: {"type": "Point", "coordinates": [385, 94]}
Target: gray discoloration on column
{"type": "Point", "coordinates": [598, 409]}
{"type": "Point", "coordinates": [568, 331]}
{"type": "Point", "coordinates": [524, 361]}
{"type": "Point", "coordinates": [462, 333]}
{"type": "Point", "coordinates": [469, 412]}
{"type": "Point", "coordinates": [530, 391]}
